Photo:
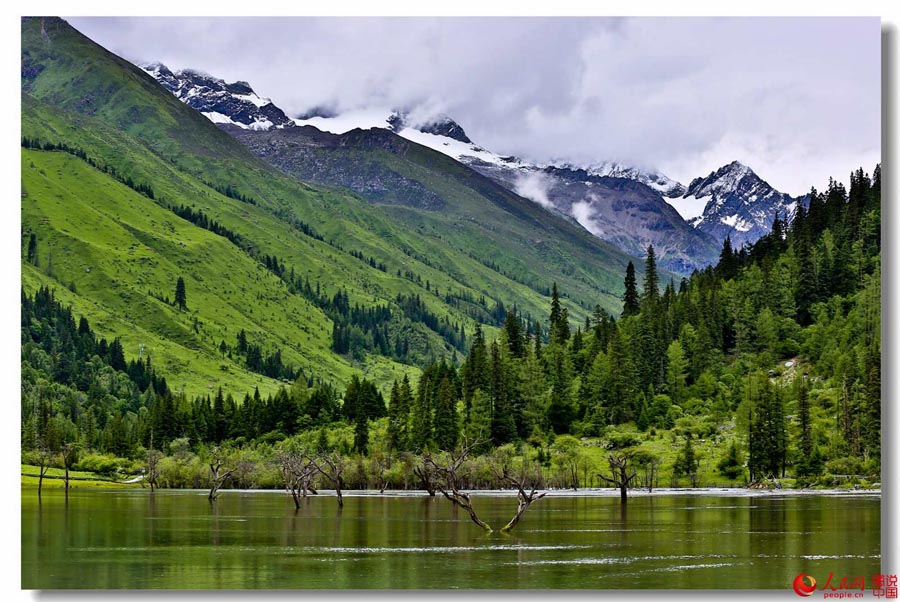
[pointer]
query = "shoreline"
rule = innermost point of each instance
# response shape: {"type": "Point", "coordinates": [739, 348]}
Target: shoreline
{"type": "Point", "coordinates": [734, 492]}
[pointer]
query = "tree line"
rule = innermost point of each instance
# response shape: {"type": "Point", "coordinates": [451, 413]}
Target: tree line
{"type": "Point", "coordinates": [778, 346]}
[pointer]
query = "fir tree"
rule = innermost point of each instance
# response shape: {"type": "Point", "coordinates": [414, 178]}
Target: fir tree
{"type": "Point", "coordinates": [32, 254]}
{"type": "Point", "coordinates": [180, 294]}
{"type": "Point", "coordinates": [651, 283]}
{"type": "Point", "coordinates": [446, 420]}
{"type": "Point", "coordinates": [631, 301]}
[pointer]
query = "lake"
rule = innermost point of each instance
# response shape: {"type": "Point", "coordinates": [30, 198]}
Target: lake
{"type": "Point", "coordinates": [176, 539]}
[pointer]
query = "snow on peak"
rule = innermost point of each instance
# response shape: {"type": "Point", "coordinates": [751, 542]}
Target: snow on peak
{"type": "Point", "coordinates": [235, 103]}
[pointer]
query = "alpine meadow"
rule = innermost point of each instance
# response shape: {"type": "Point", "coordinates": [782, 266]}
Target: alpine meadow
{"type": "Point", "coordinates": [268, 345]}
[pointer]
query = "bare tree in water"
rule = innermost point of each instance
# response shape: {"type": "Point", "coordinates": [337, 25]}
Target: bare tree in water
{"type": "Point", "coordinates": [218, 471]}
{"type": "Point", "coordinates": [297, 469]}
{"type": "Point", "coordinates": [526, 494]}
{"type": "Point", "coordinates": [69, 455]}
{"type": "Point", "coordinates": [447, 471]}
{"type": "Point", "coordinates": [44, 457]}
{"type": "Point", "coordinates": [619, 473]}
{"type": "Point", "coordinates": [427, 475]}
{"type": "Point", "coordinates": [153, 458]}
{"type": "Point", "coordinates": [331, 466]}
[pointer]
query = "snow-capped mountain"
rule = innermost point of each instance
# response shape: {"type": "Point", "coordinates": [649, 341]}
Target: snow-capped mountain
{"type": "Point", "coordinates": [653, 178]}
{"type": "Point", "coordinates": [734, 201]}
{"type": "Point", "coordinates": [220, 102]}
{"type": "Point", "coordinates": [629, 206]}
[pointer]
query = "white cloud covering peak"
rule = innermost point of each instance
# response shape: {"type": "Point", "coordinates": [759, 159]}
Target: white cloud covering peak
{"type": "Point", "coordinates": [798, 99]}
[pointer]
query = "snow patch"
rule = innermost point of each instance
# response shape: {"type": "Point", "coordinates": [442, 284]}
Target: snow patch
{"type": "Point", "coordinates": [219, 118]}
{"type": "Point", "coordinates": [259, 102]}
{"type": "Point", "coordinates": [363, 119]}
{"type": "Point", "coordinates": [731, 220]}
{"type": "Point", "coordinates": [261, 125]}
{"type": "Point", "coordinates": [689, 207]}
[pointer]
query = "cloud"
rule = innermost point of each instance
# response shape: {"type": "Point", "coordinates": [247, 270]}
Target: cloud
{"type": "Point", "coordinates": [798, 99]}
{"type": "Point", "coordinates": [534, 186]}
{"type": "Point", "coordinates": [584, 215]}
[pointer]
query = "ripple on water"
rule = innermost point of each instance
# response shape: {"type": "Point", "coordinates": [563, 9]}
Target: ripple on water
{"type": "Point", "coordinates": [615, 560]}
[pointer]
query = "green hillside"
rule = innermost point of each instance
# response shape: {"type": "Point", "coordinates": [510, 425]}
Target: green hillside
{"type": "Point", "coordinates": [131, 156]}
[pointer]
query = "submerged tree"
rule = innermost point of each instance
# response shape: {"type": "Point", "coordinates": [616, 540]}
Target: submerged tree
{"type": "Point", "coordinates": [218, 471]}
{"type": "Point", "coordinates": [448, 482]}
{"type": "Point", "coordinates": [524, 493]}
{"type": "Point", "coordinates": [153, 458]}
{"type": "Point", "coordinates": [620, 473]}
{"type": "Point", "coordinates": [297, 471]}
{"type": "Point", "coordinates": [331, 466]}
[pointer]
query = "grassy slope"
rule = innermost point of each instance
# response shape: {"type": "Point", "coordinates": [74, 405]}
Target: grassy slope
{"type": "Point", "coordinates": [89, 98]}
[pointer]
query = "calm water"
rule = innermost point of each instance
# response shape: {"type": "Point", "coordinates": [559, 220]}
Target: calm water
{"type": "Point", "coordinates": [176, 539]}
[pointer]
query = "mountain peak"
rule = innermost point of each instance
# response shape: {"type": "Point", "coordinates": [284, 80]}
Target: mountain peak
{"type": "Point", "coordinates": [437, 126]}
{"type": "Point", "coordinates": [231, 103]}
{"type": "Point", "coordinates": [733, 201]}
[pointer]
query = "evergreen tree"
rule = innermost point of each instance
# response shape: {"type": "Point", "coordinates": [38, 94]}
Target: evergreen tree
{"type": "Point", "coordinates": [731, 465]}
{"type": "Point", "coordinates": [512, 328]}
{"type": "Point", "coordinates": [503, 425]}
{"type": "Point", "coordinates": [446, 420]}
{"type": "Point", "coordinates": [395, 419]}
{"type": "Point", "coordinates": [475, 371]}
{"type": "Point", "coordinates": [421, 420]}
{"type": "Point", "coordinates": [651, 283]}
{"type": "Point", "coordinates": [479, 426]}
{"type": "Point", "coordinates": [676, 371]}
{"type": "Point", "coordinates": [727, 268]}
{"type": "Point", "coordinates": [686, 464]}
{"type": "Point", "coordinates": [180, 294]}
{"type": "Point", "coordinates": [559, 319]}
{"type": "Point", "coordinates": [631, 301]}
{"type": "Point", "coordinates": [32, 255]}
{"type": "Point", "coordinates": [767, 428]}
{"type": "Point", "coordinates": [538, 336]}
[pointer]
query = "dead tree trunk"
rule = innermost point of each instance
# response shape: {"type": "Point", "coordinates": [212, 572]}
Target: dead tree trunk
{"type": "Point", "coordinates": [426, 477]}
{"type": "Point", "coordinates": [618, 467]}
{"type": "Point", "coordinates": [153, 458]}
{"type": "Point", "coordinates": [69, 455]}
{"type": "Point", "coordinates": [44, 457]}
{"type": "Point", "coordinates": [447, 480]}
{"type": "Point", "coordinates": [525, 498]}
{"type": "Point", "coordinates": [288, 462]}
{"type": "Point", "coordinates": [219, 473]}
{"type": "Point", "coordinates": [331, 466]}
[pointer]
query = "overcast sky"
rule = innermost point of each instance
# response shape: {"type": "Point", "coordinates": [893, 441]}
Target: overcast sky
{"type": "Point", "coordinates": [798, 99]}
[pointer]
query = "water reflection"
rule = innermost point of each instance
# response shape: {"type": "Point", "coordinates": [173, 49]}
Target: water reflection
{"type": "Point", "coordinates": [176, 539]}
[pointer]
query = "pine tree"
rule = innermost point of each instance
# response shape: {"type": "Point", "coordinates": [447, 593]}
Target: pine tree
{"type": "Point", "coordinates": [420, 420]}
{"type": "Point", "coordinates": [538, 343]}
{"type": "Point", "coordinates": [727, 268]}
{"type": "Point", "coordinates": [686, 463]}
{"type": "Point", "coordinates": [503, 425]}
{"type": "Point", "coordinates": [559, 319]}
{"type": "Point", "coordinates": [512, 327]}
{"type": "Point", "coordinates": [479, 426]}
{"type": "Point", "coordinates": [180, 294]}
{"type": "Point", "coordinates": [474, 371]}
{"type": "Point", "coordinates": [805, 447]}
{"type": "Point", "coordinates": [446, 420]}
{"type": "Point", "coordinates": [676, 371]}
{"type": "Point", "coordinates": [32, 254]}
{"type": "Point", "coordinates": [651, 283]}
{"type": "Point", "coordinates": [631, 301]}
{"type": "Point", "coordinates": [396, 418]}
